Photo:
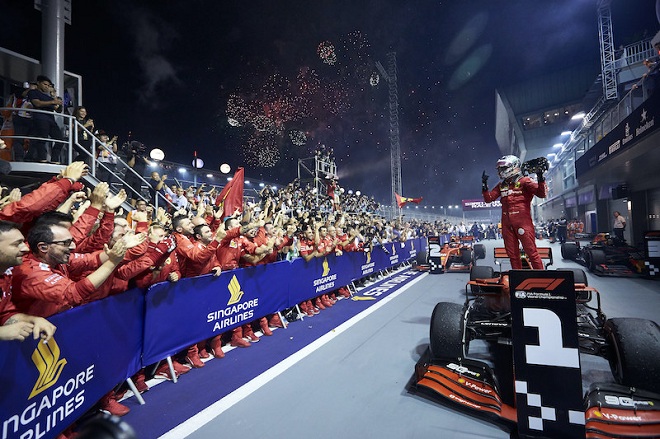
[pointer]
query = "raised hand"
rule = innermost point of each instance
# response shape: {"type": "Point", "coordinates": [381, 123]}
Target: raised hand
{"type": "Point", "coordinates": [133, 239]}
{"type": "Point", "coordinates": [117, 252]}
{"type": "Point", "coordinates": [112, 202]}
{"type": "Point", "coordinates": [75, 171]}
{"type": "Point", "coordinates": [99, 194]}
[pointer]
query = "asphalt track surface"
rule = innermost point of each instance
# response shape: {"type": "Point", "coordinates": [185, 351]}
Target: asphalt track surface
{"type": "Point", "coordinates": [345, 372]}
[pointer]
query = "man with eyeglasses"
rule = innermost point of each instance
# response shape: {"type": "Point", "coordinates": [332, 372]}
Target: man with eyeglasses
{"type": "Point", "coordinates": [42, 284]}
{"type": "Point", "coordinates": [43, 124]}
{"type": "Point", "coordinates": [15, 325]}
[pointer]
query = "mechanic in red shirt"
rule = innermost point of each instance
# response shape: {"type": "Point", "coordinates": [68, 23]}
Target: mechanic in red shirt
{"type": "Point", "coordinates": [203, 237]}
{"type": "Point", "coordinates": [253, 253]}
{"type": "Point", "coordinates": [311, 246]}
{"type": "Point", "coordinates": [516, 193]}
{"type": "Point", "coordinates": [268, 236]}
{"type": "Point", "coordinates": [102, 211]}
{"type": "Point", "coordinates": [46, 197]}
{"type": "Point", "coordinates": [192, 259]}
{"type": "Point", "coordinates": [42, 284]}
{"type": "Point", "coordinates": [13, 324]}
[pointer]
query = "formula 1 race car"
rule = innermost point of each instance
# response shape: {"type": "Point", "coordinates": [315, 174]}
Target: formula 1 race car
{"type": "Point", "coordinates": [492, 313]}
{"type": "Point", "coordinates": [607, 256]}
{"type": "Point", "coordinates": [457, 255]}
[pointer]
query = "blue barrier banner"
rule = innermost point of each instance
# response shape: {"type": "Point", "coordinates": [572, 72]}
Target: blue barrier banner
{"type": "Point", "coordinates": [320, 276]}
{"type": "Point", "coordinates": [46, 387]}
{"type": "Point", "coordinates": [194, 309]}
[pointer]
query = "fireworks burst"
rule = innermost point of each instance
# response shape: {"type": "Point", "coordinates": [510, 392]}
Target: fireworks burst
{"type": "Point", "coordinates": [374, 79]}
{"type": "Point", "coordinates": [269, 103]}
{"type": "Point", "coordinates": [327, 53]}
{"type": "Point", "coordinates": [262, 150]}
{"type": "Point", "coordinates": [297, 137]}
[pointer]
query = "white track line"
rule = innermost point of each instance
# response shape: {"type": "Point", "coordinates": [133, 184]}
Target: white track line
{"type": "Point", "coordinates": [214, 410]}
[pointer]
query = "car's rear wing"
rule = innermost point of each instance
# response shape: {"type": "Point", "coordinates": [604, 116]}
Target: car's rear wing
{"type": "Point", "coordinates": [499, 253]}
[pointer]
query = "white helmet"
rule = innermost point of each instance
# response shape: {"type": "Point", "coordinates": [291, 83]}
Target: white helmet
{"type": "Point", "coordinates": [508, 167]}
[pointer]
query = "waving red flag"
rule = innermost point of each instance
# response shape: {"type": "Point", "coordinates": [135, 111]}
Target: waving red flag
{"type": "Point", "coordinates": [402, 201]}
{"type": "Point", "coordinates": [231, 196]}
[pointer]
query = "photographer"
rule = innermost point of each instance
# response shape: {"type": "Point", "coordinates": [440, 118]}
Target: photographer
{"type": "Point", "coordinates": [137, 161]}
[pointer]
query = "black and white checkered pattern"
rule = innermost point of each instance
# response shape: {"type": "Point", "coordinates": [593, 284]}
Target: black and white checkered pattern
{"type": "Point", "coordinates": [547, 413]}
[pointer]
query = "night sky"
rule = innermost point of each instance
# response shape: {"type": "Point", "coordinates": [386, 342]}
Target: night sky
{"type": "Point", "coordinates": [293, 75]}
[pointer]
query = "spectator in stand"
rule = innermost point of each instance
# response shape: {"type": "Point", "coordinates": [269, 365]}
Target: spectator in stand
{"type": "Point", "coordinates": [44, 124]}
{"type": "Point", "coordinates": [107, 158]}
{"type": "Point", "coordinates": [179, 199]}
{"type": "Point", "coordinates": [13, 324]}
{"type": "Point", "coordinates": [137, 163]}
{"type": "Point", "coordinates": [140, 206]}
{"type": "Point", "coordinates": [158, 189]}
{"type": "Point", "coordinates": [21, 120]}
{"type": "Point", "coordinates": [84, 130]}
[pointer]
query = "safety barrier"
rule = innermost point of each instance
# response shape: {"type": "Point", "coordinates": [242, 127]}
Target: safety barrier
{"type": "Point", "coordinates": [46, 387]}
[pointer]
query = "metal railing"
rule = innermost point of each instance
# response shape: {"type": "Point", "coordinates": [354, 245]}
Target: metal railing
{"type": "Point", "coordinates": [71, 132]}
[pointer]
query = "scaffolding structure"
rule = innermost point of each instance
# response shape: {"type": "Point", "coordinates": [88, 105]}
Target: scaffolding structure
{"type": "Point", "coordinates": [607, 60]}
{"type": "Point", "coordinates": [395, 148]}
{"type": "Point", "coordinates": [317, 171]}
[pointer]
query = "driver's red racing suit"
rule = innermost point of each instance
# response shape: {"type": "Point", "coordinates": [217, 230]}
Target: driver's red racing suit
{"type": "Point", "coordinates": [517, 219]}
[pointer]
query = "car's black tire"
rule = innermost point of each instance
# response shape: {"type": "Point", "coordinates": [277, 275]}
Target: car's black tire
{"type": "Point", "coordinates": [634, 349]}
{"type": "Point", "coordinates": [466, 257]}
{"type": "Point", "coordinates": [579, 276]}
{"type": "Point", "coordinates": [569, 250]}
{"type": "Point", "coordinates": [593, 257]}
{"type": "Point", "coordinates": [446, 331]}
{"type": "Point", "coordinates": [480, 272]}
{"type": "Point", "coordinates": [479, 251]}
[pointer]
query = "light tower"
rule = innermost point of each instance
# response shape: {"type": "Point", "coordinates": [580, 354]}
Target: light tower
{"type": "Point", "coordinates": [395, 149]}
{"type": "Point", "coordinates": [607, 61]}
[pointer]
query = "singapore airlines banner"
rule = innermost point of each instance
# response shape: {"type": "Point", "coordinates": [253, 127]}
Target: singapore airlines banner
{"type": "Point", "coordinates": [46, 387]}
{"type": "Point", "coordinates": [210, 306]}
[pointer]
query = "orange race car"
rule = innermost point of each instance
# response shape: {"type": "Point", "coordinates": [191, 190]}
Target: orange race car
{"type": "Point", "coordinates": [457, 255]}
{"type": "Point", "coordinates": [517, 313]}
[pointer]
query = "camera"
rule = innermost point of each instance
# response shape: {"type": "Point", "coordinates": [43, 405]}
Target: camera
{"type": "Point", "coordinates": [133, 147]}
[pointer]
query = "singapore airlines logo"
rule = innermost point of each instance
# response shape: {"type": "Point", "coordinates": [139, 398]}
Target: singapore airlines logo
{"type": "Point", "coordinates": [326, 267]}
{"type": "Point", "coordinates": [235, 290]}
{"type": "Point", "coordinates": [393, 249]}
{"type": "Point", "coordinates": [46, 357]}
{"type": "Point", "coordinates": [368, 257]}
{"type": "Point", "coordinates": [412, 245]}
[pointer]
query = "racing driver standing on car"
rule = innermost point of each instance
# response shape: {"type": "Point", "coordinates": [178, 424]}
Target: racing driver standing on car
{"type": "Point", "coordinates": [516, 192]}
